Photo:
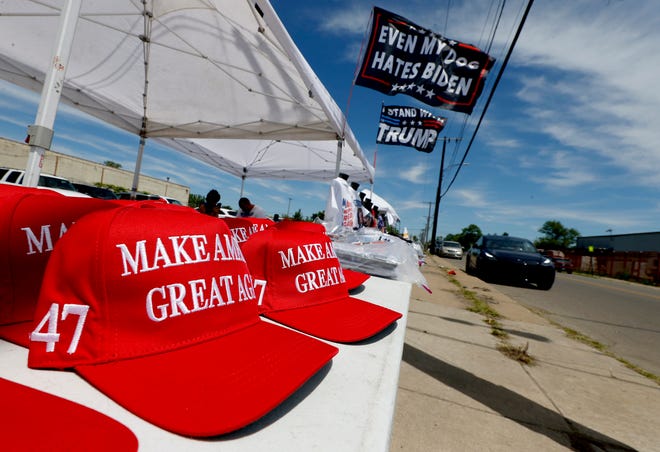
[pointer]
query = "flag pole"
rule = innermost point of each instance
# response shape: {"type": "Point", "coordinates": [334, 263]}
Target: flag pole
{"type": "Point", "coordinates": [373, 181]}
{"type": "Point", "coordinates": [350, 91]}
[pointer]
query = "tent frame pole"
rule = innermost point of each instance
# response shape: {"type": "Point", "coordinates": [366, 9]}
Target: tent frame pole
{"type": "Point", "coordinates": [40, 135]}
{"type": "Point", "coordinates": [340, 145]}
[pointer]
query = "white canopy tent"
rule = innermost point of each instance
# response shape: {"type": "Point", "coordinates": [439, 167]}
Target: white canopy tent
{"type": "Point", "coordinates": [383, 206]}
{"type": "Point", "coordinates": [306, 160]}
{"type": "Point", "coordinates": [190, 72]}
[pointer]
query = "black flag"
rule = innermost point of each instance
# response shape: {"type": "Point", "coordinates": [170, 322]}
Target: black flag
{"type": "Point", "coordinates": [409, 126]}
{"type": "Point", "coordinates": [404, 58]}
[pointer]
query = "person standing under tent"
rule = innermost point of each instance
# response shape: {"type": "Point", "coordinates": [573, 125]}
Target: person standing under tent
{"type": "Point", "coordinates": [374, 215]}
{"type": "Point", "coordinates": [211, 204]}
{"type": "Point", "coordinates": [247, 209]}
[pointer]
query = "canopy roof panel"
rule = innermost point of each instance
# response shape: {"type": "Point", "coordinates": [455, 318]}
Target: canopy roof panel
{"type": "Point", "coordinates": [193, 68]}
{"type": "Point", "coordinates": [307, 160]}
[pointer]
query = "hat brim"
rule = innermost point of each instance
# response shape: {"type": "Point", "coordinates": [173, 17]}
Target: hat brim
{"type": "Point", "coordinates": [354, 279]}
{"type": "Point", "coordinates": [217, 386]}
{"type": "Point", "coordinates": [344, 320]}
{"type": "Point", "coordinates": [17, 333]}
{"type": "Point", "coordinates": [36, 420]}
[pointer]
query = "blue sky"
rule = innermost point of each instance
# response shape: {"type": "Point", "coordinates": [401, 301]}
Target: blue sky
{"type": "Point", "coordinates": [571, 133]}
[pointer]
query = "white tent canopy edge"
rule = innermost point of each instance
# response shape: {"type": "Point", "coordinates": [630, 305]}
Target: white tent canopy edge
{"type": "Point", "coordinates": [259, 67]}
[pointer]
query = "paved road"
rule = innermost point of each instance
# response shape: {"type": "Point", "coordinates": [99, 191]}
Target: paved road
{"type": "Point", "coordinates": [621, 315]}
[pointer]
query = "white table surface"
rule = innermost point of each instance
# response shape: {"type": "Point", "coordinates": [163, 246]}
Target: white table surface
{"type": "Point", "coordinates": [347, 406]}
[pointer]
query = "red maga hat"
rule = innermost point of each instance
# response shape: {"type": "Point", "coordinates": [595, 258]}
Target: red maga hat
{"type": "Point", "coordinates": [31, 222]}
{"type": "Point", "coordinates": [61, 424]}
{"type": "Point", "coordinates": [156, 308]}
{"type": "Point", "coordinates": [242, 228]}
{"type": "Point", "coordinates": [303, 286]}
{"type": "Point", "coordinates": [354, 279]}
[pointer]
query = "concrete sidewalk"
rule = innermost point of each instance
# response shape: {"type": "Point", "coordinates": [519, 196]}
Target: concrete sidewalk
{"type": "Point", "coordinates": [457, 392]}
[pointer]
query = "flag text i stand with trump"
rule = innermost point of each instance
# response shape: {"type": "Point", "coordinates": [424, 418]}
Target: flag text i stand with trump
{"type": "Point", "coordinates": [404, 58]}
{"type": "Point", "coordinates": [409, 126]}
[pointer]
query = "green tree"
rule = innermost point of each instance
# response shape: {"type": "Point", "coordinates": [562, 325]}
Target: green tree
{"type": "Point", "coordinates": [112, 164]}
{"type": "Point", "coordinates": [194, 200]}
{"type": "Point", "coordinates": [390, 229]}
{"type": "Point", "coordinates": [466, 237]}
{"type": "Point", "coordinates": [556, 236]}
{"type": "Point", "coordinates": [297, 215]}
{"type": "Point", "coordinates": [320, 215]}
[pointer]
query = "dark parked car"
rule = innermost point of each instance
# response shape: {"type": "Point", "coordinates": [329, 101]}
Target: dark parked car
{"type": "Point", "coordinates": [562, 264]}
{"type": "Point", "coordinates": [95, 192]}
{"type": "Point", "coordinates": [509, 258]}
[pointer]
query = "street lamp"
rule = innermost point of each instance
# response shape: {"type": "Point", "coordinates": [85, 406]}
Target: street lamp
{"type": "Point", "coordinates": [288, 208]}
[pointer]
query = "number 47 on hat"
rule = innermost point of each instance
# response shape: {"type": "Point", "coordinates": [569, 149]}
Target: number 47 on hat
{"type": "Point", "coordinates": [52, 317]}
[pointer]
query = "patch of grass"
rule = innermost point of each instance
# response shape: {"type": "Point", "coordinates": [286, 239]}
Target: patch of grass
{"type": "Point", "coordinates": [603, 348]}
{"type": "Point", "coordinates": [480, 306]}
{"type": "Point", "coordinates": [584, 339]}
{"type": "Point", "coordinates": [517, 353]}
{"type": "Point", "coordinates": [520, 353]}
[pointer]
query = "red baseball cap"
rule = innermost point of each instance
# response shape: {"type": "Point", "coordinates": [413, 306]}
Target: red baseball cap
{"type": "Point", "coordinates": [354, 279]}
{"type": "Point", "coordinates": [303, 286]}
{"type": "Point", "coordinates": [156, 308]}
{"type": "Point", "coordinates": [243, 227]}
{"type": "Point", "coordinates": [31, 223]}
{"type": "Point", "coordinates": [35, 420]}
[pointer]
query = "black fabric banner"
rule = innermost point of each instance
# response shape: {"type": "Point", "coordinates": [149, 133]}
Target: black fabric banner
{"type": "Point", "coordinates": [409, 126]}
{"type": "Point", "coordinates": [404, 58]}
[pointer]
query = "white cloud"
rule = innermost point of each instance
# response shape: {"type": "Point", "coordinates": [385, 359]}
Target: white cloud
{"type": "Point", "coordinates": [415, 174]}
{"type": "Point", "coordinates": [598, 101]}
{"type": "Point", "coordinates": [470, 197]}
{"type": "Point", "coordinates": [352, 18]}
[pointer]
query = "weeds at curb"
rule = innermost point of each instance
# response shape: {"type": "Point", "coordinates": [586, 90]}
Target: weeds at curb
{"type": "Point", "coordinates": [517, 353]}
{"type": "Point", "coordinates": [603, 348]}
{"type": "Point", "coordinates": [577, 336]}
{"type": "Point", "coordinates": [584, 339]}
{"type": "Point", "coordinates": [491, 316]}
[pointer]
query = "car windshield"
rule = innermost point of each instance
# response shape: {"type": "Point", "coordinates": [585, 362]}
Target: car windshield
{"type": "Point", "coordinates": [53, 182]}
{"type": "Point", "coordinates": [451, 244]}
{"type": "Point", "coordinates": [511, 244]}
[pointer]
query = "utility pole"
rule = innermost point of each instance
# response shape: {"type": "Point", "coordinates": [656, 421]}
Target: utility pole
{"type": "Point", "coordinates": [428, 218]}
{"type": "Point", "coordinates": [437, 194]}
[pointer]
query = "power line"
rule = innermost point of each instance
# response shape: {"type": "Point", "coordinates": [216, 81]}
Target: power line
{"type": "Point", "coordinates": [492, 92]}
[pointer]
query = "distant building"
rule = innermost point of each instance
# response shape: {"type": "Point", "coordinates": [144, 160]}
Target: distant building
{"type": "Point", "coordinates": [639, 242]}
{"type": "Point", "coordinates": [15, 155]}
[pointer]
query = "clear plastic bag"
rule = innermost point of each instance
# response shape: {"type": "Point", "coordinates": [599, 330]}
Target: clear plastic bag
{"type": "Point", "coordinates": [376, 253]}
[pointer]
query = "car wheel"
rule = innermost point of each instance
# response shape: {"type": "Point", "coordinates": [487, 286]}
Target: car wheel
{"type": "Point", "coordinates": [468, 267]}
{"type": "Point", "coordinates": [485, 276]}
{"type": "Point", "coordinates": [546, 283]}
